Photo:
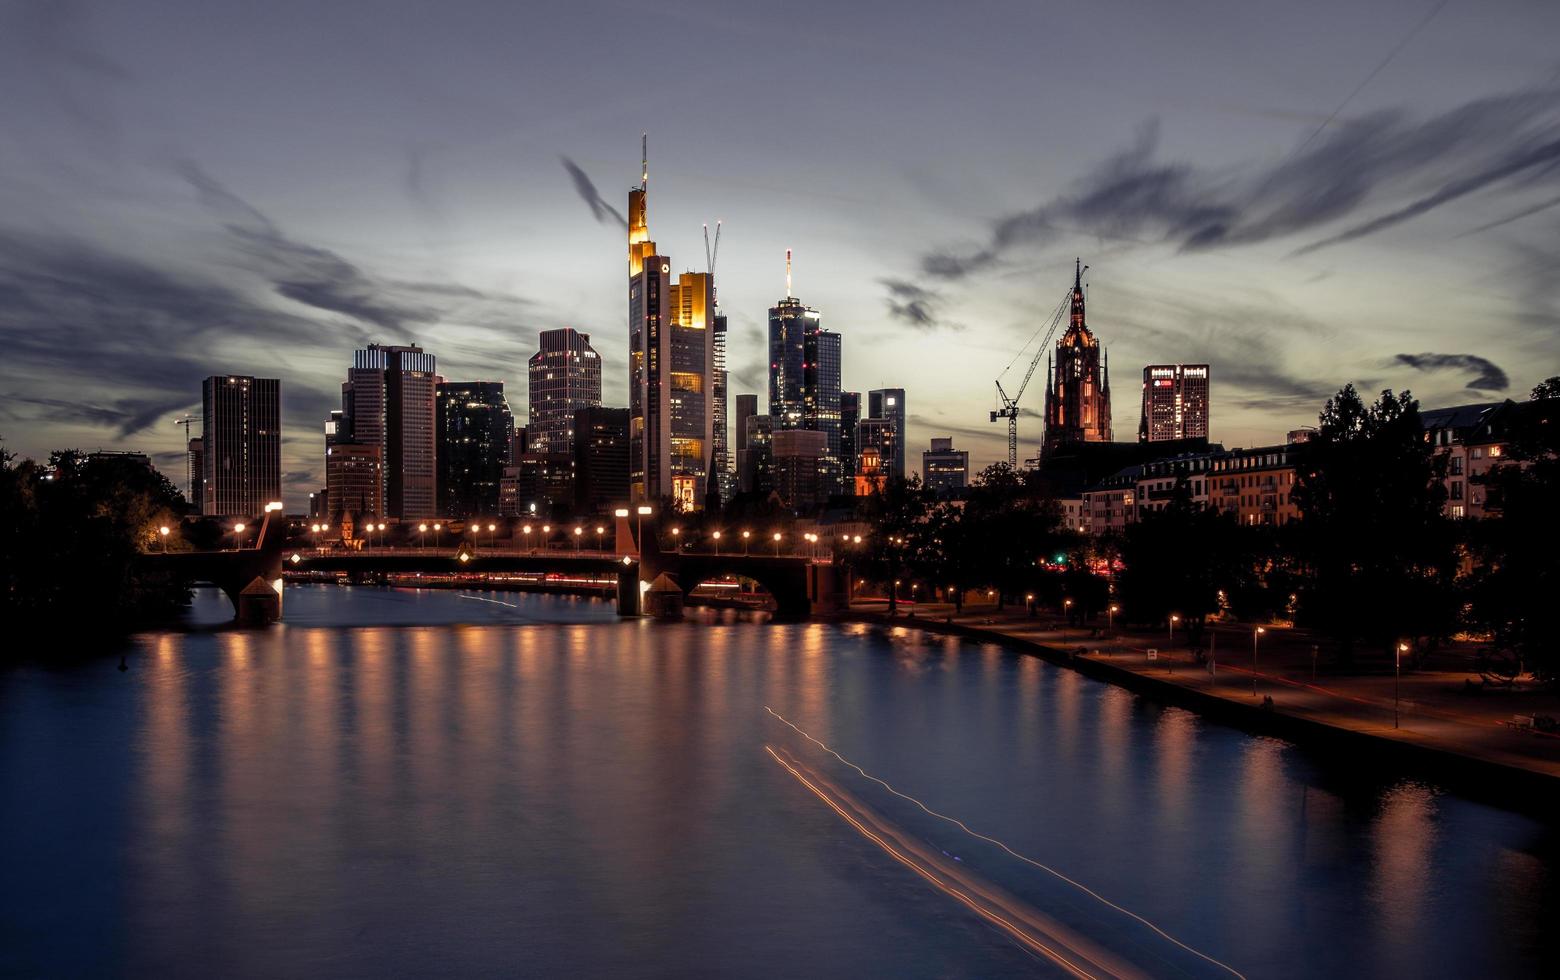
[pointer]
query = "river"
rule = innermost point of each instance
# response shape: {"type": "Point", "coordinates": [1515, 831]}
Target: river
{"type": "Point", "coordinates": [397, 782]}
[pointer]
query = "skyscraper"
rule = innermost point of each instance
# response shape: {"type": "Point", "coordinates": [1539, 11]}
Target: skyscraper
{"type": "Point", "coordinates": [850, 416]}
{"type": "Point", "coordinates": [671, 369]}
{"type": "Point", "coordinates": [888, 404]}
{"type": "Point", "coordinates": [241, 444]}
{"type": "Point", "coordinates": [797, 456]}
{"type": "Point", "coordinates": [876, 439]}
{"type": "Point", "coordinates": [565, 375]}
{"type": "Point", "coordinates": [1077, 387]}
{"type": "Point", "coordinates": [1175, 402]}
{"type": "Point", "coordinates": [721, 421]}
{"type": "Point", "coordinates": [755, 471]}
{"type": "Point", "coordinates": [475, 428]}
{"type": "Point", "coordinates": [804, 378]}
{"type": "Point", "coordinates": [747, 407]}
{"type": "Point", "coordinates": [388, 401]}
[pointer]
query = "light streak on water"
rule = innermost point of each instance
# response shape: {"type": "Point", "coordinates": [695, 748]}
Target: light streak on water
{"type": "Point", "coordinates": [994, 841]}
{"type": "Point", "coordinates": [1032, 930]}
{"type": "Point", "coordinates": [496, 602]}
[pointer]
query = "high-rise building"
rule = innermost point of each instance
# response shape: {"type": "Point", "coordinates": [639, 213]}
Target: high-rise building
{"type": "Point", "coordinates": [565, 375]}
{"type": "Point", "coordinates": [850, 416]}
{"type": "Point", "coordinates": [747, 407]}
{"type": "Point", "coordinates": [722, 454]}
{"type": "Point", "coordinates": [354, 481]}
{"type": "Point", "coordinates": [888, 404]}
{"type": "Point", "coordinates": [879, 437]}
{"type": "Point", "coordinates": [196, 464]}
{"type": "Point", "coordinates": [755, 471]}
{"type": "Point", "coordinates": [600, 459]}
{"type": "Point", "coordinates": [475, 429]}
{"type": "Point", "coordinates": [944, 467]}
{"type": "Point", "coordinates": [388, 401]}
{"type": "Point", "coordinates": [798, 471]}
{"type": "Point", "coordinates": [1175, 402]}
{"type": "Point", "coordinates": [870, 477]}
{"type": "Point", "coordinates": [671, 351]}
{"type": "Point", "coordinates": [804, 377]}
{"type": "Point", "coordinates": [241, 444]}
{"type": "Point", "coordinates": [1077, 385]}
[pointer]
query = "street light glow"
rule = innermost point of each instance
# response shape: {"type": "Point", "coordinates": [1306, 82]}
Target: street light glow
{"type": "Point", "coordinates": [620, 512]}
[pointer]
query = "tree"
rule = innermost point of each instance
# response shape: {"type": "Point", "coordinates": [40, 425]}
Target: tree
{"type": "Point", "coordinates": [1178, 561]}
{"type": "Point", "coordinates": [1378, 556]}
{"type": "Point", "coordinates": [1012, 525]}
{"type": "Point", "coordinates": [1546, 389]}
{"type": "Point", "coordinates": [897, 514]}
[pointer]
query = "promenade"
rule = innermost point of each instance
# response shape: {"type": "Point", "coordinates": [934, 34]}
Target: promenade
{"type": "Point", "coordinates": [1438, 718]}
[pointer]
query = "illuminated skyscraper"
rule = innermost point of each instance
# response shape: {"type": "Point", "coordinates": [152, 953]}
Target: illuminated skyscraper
{"type": "Point", "coordinates": [671, 350]}
{"type": "Point", "coordinates": [850, 416]}
{"type": "Point", "coordinates": [1077, 386]}
{"type": "Point", "coordinates": [388, 401]}
{"type": "Point", "coordinates": [565, 376]}
{"type": "Point", "coordinates": [475, 429]}
{"type": "Point", "coordinates": [241, 444]}
{"type": "Point", "coordinates": [886, 405]}
{"type": "Point", "coordinates": [804, 378]}
{"type": "Point", "coordinates": [1175, 402]}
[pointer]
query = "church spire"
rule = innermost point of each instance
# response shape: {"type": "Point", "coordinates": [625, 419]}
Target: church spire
{"type": "Point", "coordinates": [1077, 296]}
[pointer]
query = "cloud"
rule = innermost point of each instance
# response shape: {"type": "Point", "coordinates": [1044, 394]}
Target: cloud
{"type": "Point", "coordinates": [1509, 141]}
{"type": "Point", "coordinates": [308, 274]}
{"type": "Point", "coordinates": [1487, 376]}
{"type": "Point", "coordinates": [915, 305]}
{"type": "Point", "coordinates": [586, 189]}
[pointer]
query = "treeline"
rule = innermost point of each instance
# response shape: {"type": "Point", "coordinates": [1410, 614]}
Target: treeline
{"type": "Point", "coordinates": [1372, 562]}
{"type": "Point", "coordinates": [70, 531]}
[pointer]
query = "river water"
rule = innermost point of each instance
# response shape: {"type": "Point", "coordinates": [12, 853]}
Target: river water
{"type": "Point", "coordinates": [413, 783]}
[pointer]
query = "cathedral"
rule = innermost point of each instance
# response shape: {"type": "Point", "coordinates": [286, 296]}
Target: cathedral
{"type": "Point", "coordinates": [1077, 385]}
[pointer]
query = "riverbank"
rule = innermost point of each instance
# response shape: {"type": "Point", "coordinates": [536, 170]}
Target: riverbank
{"type": "Point", "coordinates": [1477, 752]}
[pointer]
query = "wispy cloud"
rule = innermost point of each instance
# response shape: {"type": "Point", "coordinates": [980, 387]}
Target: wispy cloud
{"type": "Point", "coordinates": [1487, 376]}
{"type": "Point", "coordinates": [586, 189]}
{"type": "Point", "coordinates": [915, 305]}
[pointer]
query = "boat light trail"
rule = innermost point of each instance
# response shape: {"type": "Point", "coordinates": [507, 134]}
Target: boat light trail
{"type": "Point", "coordinates": [1022, 857]}
{"type": "Point", "coordinates": [1032, 931]}
{"type": "Point", "coordinates": [496, 602]}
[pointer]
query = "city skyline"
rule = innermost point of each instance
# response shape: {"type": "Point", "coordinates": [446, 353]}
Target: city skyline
{"type": "Point", "coordinates": [177, 243]}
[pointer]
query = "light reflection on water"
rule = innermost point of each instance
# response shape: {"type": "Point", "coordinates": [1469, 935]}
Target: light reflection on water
{"type": "Point", "coordinates": [547, 789]}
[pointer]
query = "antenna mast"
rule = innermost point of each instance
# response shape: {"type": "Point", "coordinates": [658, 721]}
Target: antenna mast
{"type": "Point", "coordinates": [787, 273]}
{"type": "Point", "coordinates": [644, 160]}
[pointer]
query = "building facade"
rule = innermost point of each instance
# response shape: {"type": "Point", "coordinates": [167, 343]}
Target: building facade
{"type": "Point", "coordinates": [241, 444]}
{"type": "Point", "coordinates": [354, 481]}
{"type": "Point", "coordinates": [389, 401]}
{"type": "Point", "coordinates": [600, 459]}
{"type": "Point", "coordinates": [1077, 386]}
{"type": "Point", "coordinates": [850, 416]}
{"type": "Point", "coordinates": [564, 376]}
{"type": "Point", "coordinates": [755, 470]}
{"type": "Point", "coordinates": [943, 467]}
{"type": "Point", "coordinates": [671, 370]}
{"type": "Point", "coordinates": [474, 432]}
{"type": "Point", "coordinates": [1175, 402]}
{"type": "Point", "coordinates": [804, 378]}
{"type": "Point", "coordinates": [798, 471]}
{"type": "Point", "coordinates": [887, 405]}
{"type": "Point", "coordinates": [1256, 485]}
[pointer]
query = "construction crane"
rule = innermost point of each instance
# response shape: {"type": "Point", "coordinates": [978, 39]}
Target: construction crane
{"type": "Point", "coordinates": [1009, 405]}
{"type": "Point", "coordinates": [189, 463]}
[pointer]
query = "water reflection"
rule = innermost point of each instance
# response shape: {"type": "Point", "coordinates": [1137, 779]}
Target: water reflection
{"type": "Point", "coordinates": [562, 792]}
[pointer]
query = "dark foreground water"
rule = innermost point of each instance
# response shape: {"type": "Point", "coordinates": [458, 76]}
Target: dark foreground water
{"type": "Point", "coordinates": [401, 783]}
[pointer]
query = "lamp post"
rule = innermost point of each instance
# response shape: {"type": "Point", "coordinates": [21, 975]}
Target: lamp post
{"type": "Point", "coordinates": [1067, 610]}
{"type": "Point", "coordinates": [436, 529]}
{"type": "Point", "coordinates": [238, 541]}
{"type": "Point", "coordinates": [1110, 617]}
{"type": "Point", "coordinates": [716, 536]}
{"type": "Point", "coordinates": [577, 532]}
{"type": "Point", "coordinates": [163, 533]}
{"type": "Point", "coordinates": [492, 534]}
{"type": "Point", "coordinates": [422, 536]}
{"type": "Point", "coordinates": [1029, 602]}
{"type": "Point", "coordinates": [745, 536]}
{"type": "Point", "coordinates": [677, 539]}
{"type": "Point", "coordinates": [777, 544]}
{"type": "Point", "coordinates": [599, 532]}
{"type": "Point", "coordinates": [1173, 620]}
{"type": "Point", "coordinates": [546, 536]}
{"type": "Point", "coordinates": [1254, 635]}
{"type": "Point", "coordinates": [643, 511]}
{"type": "Point", "coordinates": [1397, 679]}
{"type": "Point", "coordinates": [525, 531]}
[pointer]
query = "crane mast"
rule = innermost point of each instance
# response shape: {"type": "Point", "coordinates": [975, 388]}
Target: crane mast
{"type": "Point", "coordinates": [1009, 404]}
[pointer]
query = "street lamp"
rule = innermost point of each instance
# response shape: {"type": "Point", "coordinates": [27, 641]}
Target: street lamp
{"type": "Point", "coordinates": [422, 531]}
{"type": "Point", "coordinates": [745, 536]}
{"type": "Point", "coordinates": [577, 532]}
{"type": "Point", "coordinates": [546, 536]}
{"type": "Point", "coordinates": [777, 544]}
{"type": "Point", "coordinates": [1173, 620]}
{"type": "Point", "coordinates": [1110, 617]}
{"type": "Point", "coordinates": [677, 539]}
{"type": "Point", "coordinates": [164, 532]}
{"type": "Point", "coordinates": [492, 533]}
{"type": "Point", "coordinates": [1397, 680]}
{"type": "Point", "coordinates": [716, 536]}
{"type": "Point", "coordinates": [1254, 635]}
{"type": "Point", "coordinates": [599, 532]}
{"type": "Point", "coordinates": [1067, 610]}
{"type": "Point", "coordinates": [642, 511]}
{"type": "Point", "coordinates": [436, 529]}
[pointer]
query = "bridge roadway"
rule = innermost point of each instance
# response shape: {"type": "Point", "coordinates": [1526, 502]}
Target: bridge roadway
{"type": "Point", "coordinates": [251, 576]}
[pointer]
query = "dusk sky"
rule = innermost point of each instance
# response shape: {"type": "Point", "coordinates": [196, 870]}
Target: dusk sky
{"type": "Point", "coordinates": [1302, 194]}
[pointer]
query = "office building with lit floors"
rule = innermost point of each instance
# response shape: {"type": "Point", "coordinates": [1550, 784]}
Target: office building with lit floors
{"type": "Point", "coordinates": [241, 444]}
{"type": "Point", "coordinates": [389, 401]}
{"type": "Point", "coordinates": [798, 474]}
{"type": "Point", "coordinates": [1175, 402]}
{"type": "Point", "coordinates": [671, 370]}
{"type": "Point", "coordinates": [755, 469]}
{"type": "Point", "coordinates": [804, 378]}
{"type": "Point", "coordinates": [881, 437]}
{"type": "Point", "coordinates": [600, 459]}
{"type": "Point", "coordinates": [850, 416]}
{"type": "Point", "coordinates": [945, 468]}
{"type": "Point", "coordinates": [888, 405]}
{"type": "Point", "coordinates": [565, 376]}
{"type": "Point", "coordinates": [474, 432]}
{"type": "Point", "coordinates": [354, 481]}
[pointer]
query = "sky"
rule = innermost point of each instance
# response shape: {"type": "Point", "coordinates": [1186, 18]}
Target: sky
{"type": "Point", "coordinates": [1303, 195]}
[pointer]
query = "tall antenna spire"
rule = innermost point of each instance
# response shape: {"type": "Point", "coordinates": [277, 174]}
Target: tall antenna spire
{"type": "Point", "coordinates": [644, 160]}
{"type": "Point", "coordinates": [787, 273]}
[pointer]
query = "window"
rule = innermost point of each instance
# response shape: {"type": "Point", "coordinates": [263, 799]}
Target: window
{"type": "Point", "coordinates": [1457, 466]}
{"type": "Point", "coordinates": [1457, 493]}
{"type": "Point", "coordinates": [1476, 453]}
{"type": "Point", "coordinates": [1457, 510]}
{"type": "Point", "coordinates": [1494, 452]}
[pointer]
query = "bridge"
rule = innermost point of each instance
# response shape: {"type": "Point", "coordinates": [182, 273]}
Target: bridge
{"type": "Point", "coordinates": [647, 580]}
